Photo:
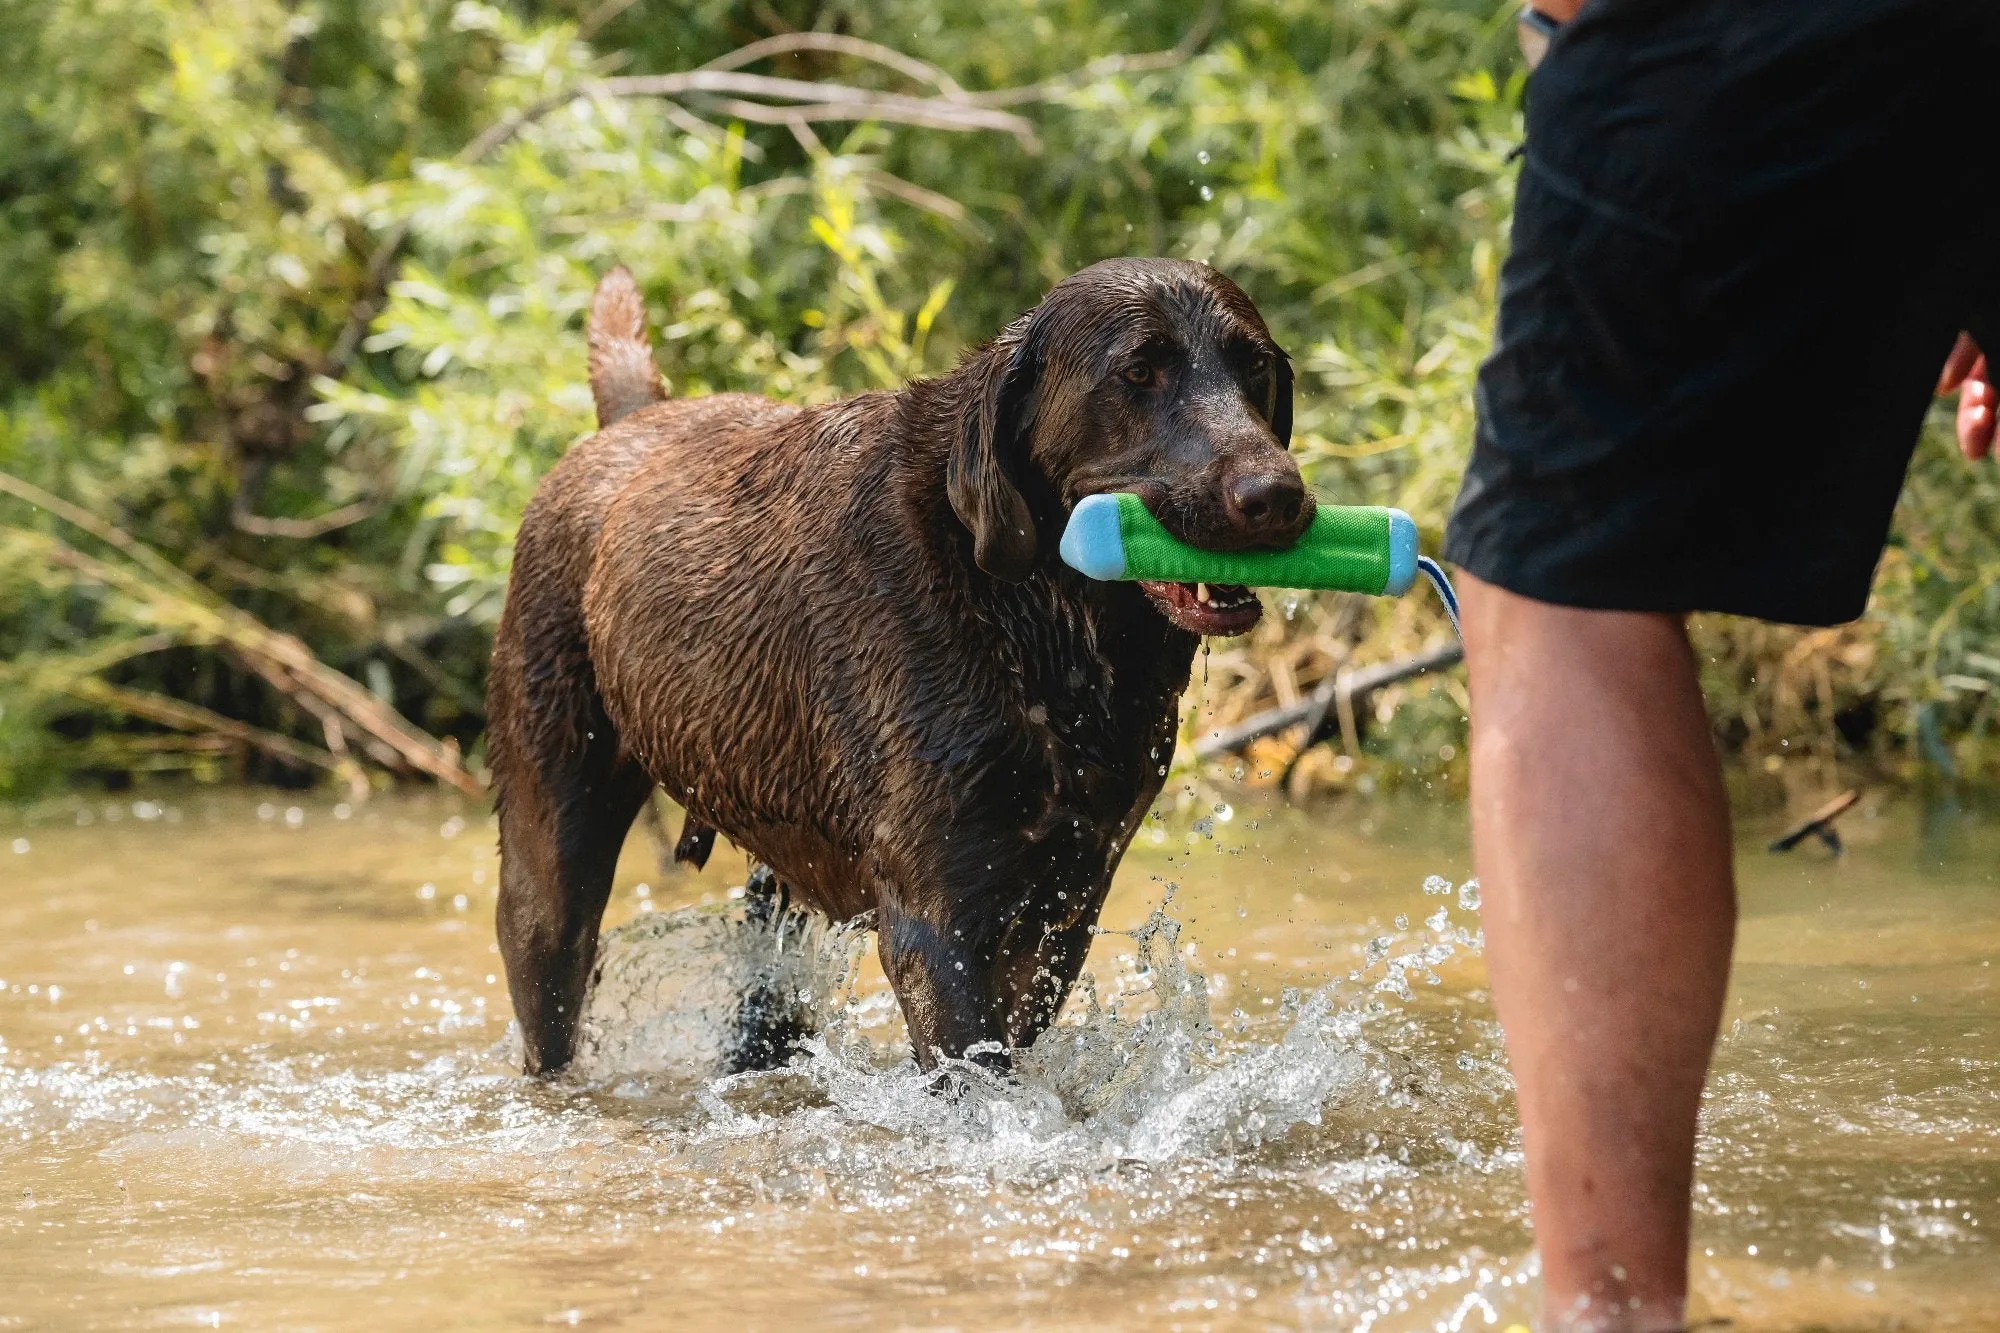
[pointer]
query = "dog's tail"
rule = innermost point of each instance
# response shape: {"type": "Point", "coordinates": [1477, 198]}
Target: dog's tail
{"type": "Point", "coordinates": [623, 378]}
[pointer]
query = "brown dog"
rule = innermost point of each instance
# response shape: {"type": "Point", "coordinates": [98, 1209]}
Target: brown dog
{"type": "Point", "coordinates": [841, 636]}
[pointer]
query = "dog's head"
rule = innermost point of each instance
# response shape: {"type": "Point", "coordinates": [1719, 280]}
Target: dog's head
{"type": "Point", "coordinates": [1153, 376]}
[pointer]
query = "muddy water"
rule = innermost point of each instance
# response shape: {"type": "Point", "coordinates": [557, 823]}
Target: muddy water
{"type": "Point", "coordinates": [254, 1072]}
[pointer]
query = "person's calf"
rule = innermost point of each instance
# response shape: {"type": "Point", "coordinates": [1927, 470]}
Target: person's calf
{"type": "Point", "coordinates": [1601, 837]}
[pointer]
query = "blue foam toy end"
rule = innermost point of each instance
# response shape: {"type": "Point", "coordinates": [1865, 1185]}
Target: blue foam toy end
{"type": "Point", "coordinates": [1402, 553]}
{"type": "Point", "coordinates": [1093, 544]}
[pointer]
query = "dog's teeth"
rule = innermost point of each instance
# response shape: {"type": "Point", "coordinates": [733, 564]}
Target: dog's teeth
{"type": "Point", "coordinates": [1201, 592]}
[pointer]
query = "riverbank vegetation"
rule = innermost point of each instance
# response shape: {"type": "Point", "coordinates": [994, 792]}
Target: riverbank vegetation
{"type": "Point", "coordinates": [292, 294]}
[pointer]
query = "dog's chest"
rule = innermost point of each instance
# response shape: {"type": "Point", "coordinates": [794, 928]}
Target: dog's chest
{"type": "Point", "coordinates": [1100, 707]}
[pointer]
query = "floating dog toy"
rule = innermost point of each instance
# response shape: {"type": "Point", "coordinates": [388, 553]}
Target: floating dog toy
{"type": "Point", "coordinates": [1347, 548]}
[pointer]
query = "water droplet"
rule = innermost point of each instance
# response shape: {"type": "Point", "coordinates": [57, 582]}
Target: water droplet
{"type": "Point", "coordinates": [1207, 193]}
{"type": "Point", "coordinates": [1468, 895]}
{"type": "Point", "coordinates": [1402, 921]}
{"type": "Point", "coordinates": [1202, 157]}
{"type": "Point", "coordinates": [20, 846]}
{"type": "Point", "coordinates": [1437, 884]}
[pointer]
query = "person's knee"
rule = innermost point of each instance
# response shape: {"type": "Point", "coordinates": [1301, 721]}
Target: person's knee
{"type": "Point", "coordinates": [1547, 679]}
{"type": "Point", "coordinates": [1537, 650]}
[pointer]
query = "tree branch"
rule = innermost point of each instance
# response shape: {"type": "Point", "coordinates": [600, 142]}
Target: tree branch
{"type": "Point", "coordinates": [1353, 686]}
{"type": "Point", "coordinates": [916, 196]}
{"type": "Point", "coordinates": [183, 716]}
{"type": "Point", "coordinates": [299, 529]}
{"type": "Point", "coordinates": [1107, 66]}
{"type": "Point", "coordinates": [790, 43]}
{"type": "Point", "coordinates": [822, 101]}
{"type": "Point", "coordinates": [598, 17]}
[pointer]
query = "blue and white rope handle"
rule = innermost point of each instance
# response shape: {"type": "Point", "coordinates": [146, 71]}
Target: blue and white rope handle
{"type": "Point", "coordinates": [1433, 571]}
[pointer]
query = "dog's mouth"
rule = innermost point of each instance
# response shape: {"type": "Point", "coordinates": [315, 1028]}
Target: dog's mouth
{"type": "Point", "coordinates": [1220, 609]}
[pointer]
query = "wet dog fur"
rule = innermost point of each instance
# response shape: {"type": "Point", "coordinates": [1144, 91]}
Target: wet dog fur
{"type": "Point", "coordinates": [841, 636]}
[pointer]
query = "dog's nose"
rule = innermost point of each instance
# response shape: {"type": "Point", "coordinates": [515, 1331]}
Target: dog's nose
{"type": "Point", "coordinates": [1265, 505]}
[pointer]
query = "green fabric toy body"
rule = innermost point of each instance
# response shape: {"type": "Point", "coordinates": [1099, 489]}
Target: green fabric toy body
{"type": "Point", "coordinates": [1347, 548]}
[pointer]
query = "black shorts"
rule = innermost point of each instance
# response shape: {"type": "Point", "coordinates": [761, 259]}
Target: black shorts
{"type": "Point", "coordinates": [1746, 235]}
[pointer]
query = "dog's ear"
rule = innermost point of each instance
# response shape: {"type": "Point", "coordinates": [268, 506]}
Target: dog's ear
{"type": "Point", "coordinates": [983, 480]}
{"type": "Point", "coordinates": [1280, 414]}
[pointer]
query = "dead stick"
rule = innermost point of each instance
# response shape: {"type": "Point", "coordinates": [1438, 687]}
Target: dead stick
{"type": "Point", "coordinates": [1359, 684]}
{"type": "Point", "coordinates": [1819, 824]}
{"type": "Point", "coordinates": [283, 661]}
{"type": "Point", "coordinates": [184, 716]}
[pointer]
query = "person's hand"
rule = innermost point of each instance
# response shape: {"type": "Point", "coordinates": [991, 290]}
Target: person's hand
{"type": "Point", "coordinates": [1978, 405]}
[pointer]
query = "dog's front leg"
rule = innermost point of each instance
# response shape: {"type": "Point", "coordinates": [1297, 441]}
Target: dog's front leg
{"type": "Point", "coordinates": [1041, 956]}
{"type": "Point", "coordinates": [941, 965]}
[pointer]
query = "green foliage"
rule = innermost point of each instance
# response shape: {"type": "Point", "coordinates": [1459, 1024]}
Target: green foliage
{"type": "Point", "coordinates": [197, 201]}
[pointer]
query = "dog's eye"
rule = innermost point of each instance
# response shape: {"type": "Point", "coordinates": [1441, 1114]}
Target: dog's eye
{"type": "Point", "coordinates": [1258, 363]}
{"type": "Point", "coordinates": [1141, 374]}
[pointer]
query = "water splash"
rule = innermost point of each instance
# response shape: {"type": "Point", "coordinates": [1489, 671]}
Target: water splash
{"type": "Point", "coordinates": [669, 986]}
{"type": "Point", "coordinates": [1136, 1070]}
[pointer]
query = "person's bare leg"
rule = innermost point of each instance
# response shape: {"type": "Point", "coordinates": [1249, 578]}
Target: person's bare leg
{"type": "Point", "coordinates": [1601, 839]}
